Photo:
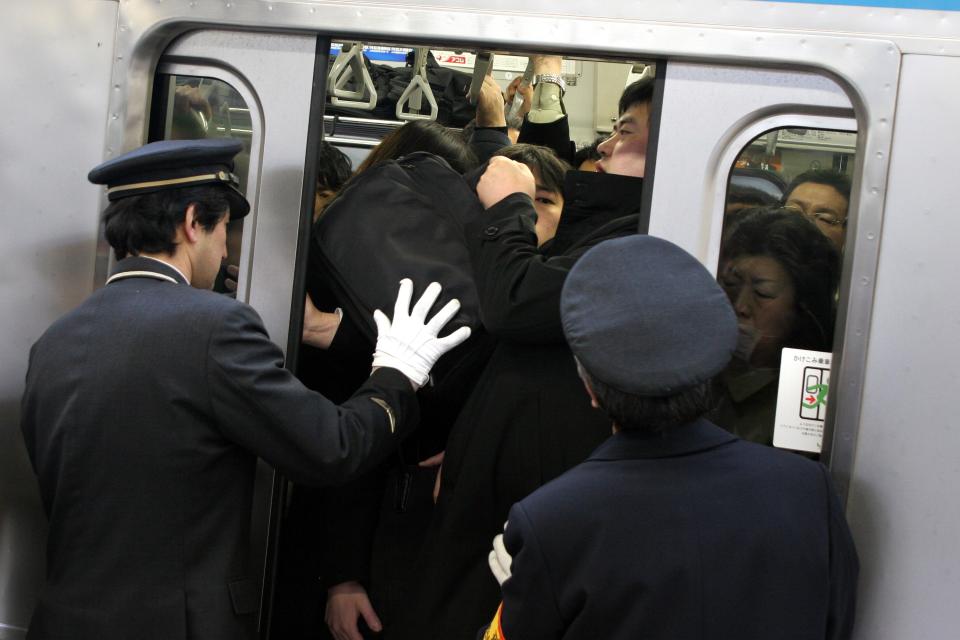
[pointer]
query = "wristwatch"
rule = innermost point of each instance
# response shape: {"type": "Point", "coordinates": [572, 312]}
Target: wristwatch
{"type": "Point", "coordinates": [554, 79]}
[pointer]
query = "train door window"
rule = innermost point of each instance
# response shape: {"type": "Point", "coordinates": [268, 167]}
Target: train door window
{"type": "Point", "coordinates": [192, 107]}
{"type": "Point", "coordinates": [784, 228]}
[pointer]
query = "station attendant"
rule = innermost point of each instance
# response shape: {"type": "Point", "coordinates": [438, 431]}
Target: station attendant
{"type": "Point", "coordinates": [146, 407]}
{"type": "Point", "coordinates": [673, 527]}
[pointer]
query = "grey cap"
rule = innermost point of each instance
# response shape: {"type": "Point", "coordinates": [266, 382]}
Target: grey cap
{"type": "Point", "coordinates": [645, 317]}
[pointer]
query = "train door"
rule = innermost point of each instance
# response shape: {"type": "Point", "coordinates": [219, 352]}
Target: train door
{"type": "Point", "coordinates": [234, 77]}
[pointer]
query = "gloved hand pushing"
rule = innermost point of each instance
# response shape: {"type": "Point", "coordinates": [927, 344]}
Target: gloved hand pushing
{"type": "Point", "coordinates": [499, 559]}
{"type": "Point", "coordinates": [409, 343]}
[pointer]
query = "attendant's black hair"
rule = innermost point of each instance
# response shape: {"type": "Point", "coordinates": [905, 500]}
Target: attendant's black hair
{"type": "Point", "coordinates": [652, 414]}
{"type": "Point", "coordinates": [147, 223]}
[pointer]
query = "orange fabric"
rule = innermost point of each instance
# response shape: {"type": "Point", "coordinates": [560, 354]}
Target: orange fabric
{"type": "Point", "coordinates": [495, 631]}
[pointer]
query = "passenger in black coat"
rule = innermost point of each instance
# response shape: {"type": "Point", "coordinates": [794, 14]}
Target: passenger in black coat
{"type": "Point", "coordinates": [146, 407]}
{"type": "Point", "coordinates": [673, 528]}
{"type": "Point", "coordinates": [525, 421]}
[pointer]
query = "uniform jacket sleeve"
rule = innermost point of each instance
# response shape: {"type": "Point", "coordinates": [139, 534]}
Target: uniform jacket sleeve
{"type": "Point", "coordinates": [844, 570]}
{"type": "Point", "coordinates": [518, 287]}
{"type": "Point", "coordinates": [530, 610]}
{"type": "Point", "coordinates": [263, 407]}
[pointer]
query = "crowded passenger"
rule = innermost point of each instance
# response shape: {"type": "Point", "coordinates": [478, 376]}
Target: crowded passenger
{"type": "Point", "coordinates": [353, 545]}
{"type": "Point", "coordinates": [749, 188]}
{"type": "Point", "coordinates": [548, 173]}
{"type": "Point", "coordinates": [489, 132]}
{"type": "Point", "coordinates": [585, 159]}
{"type": "Point", "coordinates": [780, 274]}
{"type": "Point", "coordinates": [673, 528]}
{"type": "Point", "coordinates": [516, 117]}
{"type": "Point", "coordinates": [547, 123]}
{"type": "Point", "coordinates": [823, 196]}
{"type": "Point", "coordinates": [333, 170]}
{"type": "Point", "coordinates": [426, 136]}
{"type": "Point", "coordinates": [522, 424]}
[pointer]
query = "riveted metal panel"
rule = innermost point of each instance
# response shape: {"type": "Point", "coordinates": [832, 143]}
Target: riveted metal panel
{"type": "Point", "coordinates": [903, 503]}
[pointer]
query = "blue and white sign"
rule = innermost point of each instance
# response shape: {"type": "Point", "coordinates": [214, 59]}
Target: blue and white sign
{"type": "Point", "coordinates": [934, 5]}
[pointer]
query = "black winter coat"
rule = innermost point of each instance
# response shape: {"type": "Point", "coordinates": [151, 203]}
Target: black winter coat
{"type": "Point", "coordinates": [399, 219]}
{"type": "Point", "coordinates": [528, 419]}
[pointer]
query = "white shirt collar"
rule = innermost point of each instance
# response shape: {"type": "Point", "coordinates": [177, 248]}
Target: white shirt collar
{"type": "Point", "coordinates": [169, 265]}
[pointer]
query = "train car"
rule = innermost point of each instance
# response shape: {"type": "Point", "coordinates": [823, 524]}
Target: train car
{"type": "Point", "coordinates": [869, 89]}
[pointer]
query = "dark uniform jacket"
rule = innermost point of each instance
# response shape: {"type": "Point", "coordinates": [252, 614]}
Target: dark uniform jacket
{"type": "Point", "coordinates": [144, 411]}
{"type": "Point", "coordinates": [528, 419]}
{"type": "Point", "coordinates": [695, 534]}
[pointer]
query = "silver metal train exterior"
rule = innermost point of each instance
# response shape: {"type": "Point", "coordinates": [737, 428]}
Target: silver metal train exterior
{"type": "Point", "coordinates": [78, 82]}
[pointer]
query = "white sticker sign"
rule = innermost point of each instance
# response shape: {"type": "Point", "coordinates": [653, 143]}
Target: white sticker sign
{"type": "Point", "coordinates": [517, 64]}
{"type": "Point", "coordinates": [802, 399]}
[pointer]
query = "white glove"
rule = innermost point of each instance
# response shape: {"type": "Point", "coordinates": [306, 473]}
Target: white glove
{"type": "Point", "coordinates": [499, 560]}
{"type": "Point", "coordinates": [409, 344]}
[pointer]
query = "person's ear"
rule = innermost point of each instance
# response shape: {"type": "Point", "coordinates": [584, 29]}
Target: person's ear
{"type": "Point", "coordinates": [586, 385]}
{"type": "Point", "coordinates": [191, 227]}
{"type": "Point", "coordinates": [593, 396]}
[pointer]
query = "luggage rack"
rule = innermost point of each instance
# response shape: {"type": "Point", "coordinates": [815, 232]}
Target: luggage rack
{"type": "Point", "coordinates": [350, 131]}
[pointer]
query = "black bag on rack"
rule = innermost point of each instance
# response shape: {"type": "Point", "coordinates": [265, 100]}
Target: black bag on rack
{"type": "Point", "coordinates": [449, 89]}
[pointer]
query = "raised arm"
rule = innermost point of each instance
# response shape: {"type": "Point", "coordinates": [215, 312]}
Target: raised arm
{"type": "Point", "coordinates": [519, 288]}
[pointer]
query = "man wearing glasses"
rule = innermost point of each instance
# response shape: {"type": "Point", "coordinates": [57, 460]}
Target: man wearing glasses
{"type": "Point", "coordinates": [823, 196]}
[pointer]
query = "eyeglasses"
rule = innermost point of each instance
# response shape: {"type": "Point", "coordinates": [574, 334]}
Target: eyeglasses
{"type": "Point", "coordinates": [821, 216]}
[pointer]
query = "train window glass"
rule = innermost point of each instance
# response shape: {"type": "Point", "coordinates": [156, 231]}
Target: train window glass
{"type": "Point", "coordinates": [193, 107]}
{"type": "Point", "coordinates": [362, 98]}
{"type": "Point", "coordinates": [784, 229]}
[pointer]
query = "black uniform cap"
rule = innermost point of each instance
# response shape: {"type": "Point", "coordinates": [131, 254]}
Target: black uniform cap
{"type": "Point", "coordinates": [173, 164]}
{"type": "Point", "coordinates": [645, 317]}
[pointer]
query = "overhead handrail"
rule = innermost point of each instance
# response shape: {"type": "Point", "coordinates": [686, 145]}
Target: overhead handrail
{"type": "Point", "coordinates": [349, 66]}
{"type": "Point", "coordinates": [481, 67]}
{"type": "Point", "coordinates": [527, 80]}
{"type": "Point", "coordinates": [417, 89]}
